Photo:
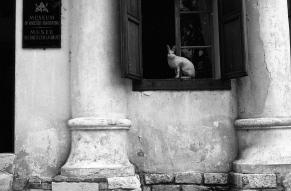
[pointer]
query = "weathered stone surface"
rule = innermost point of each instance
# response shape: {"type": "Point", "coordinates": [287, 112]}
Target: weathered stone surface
{"type": "Point", "coordinates": [72, 186]}
{"type": "Point", "coordinates": [124, 183]}
{"type": "Point", "coordinates": [39, 183]}
{"type": "Point", "coordinates": [247, 181]}
{"type": "Point", "coordinates": [6, 163]}
{"type": "Point", "coordinates": [221, 188]}
{"type": "Point", "coordinates": [237, 189]}
{"type": "Point", "coordinates": [6, 181]}
{"type": "Point", "coordinates": [158, 178]}
{"type": "Point", "coordinates": [287, 182]}
{"type": "Point", "coordinates": [215, 178]}
{"type": "Point", "coordinates": [122, 190]}
{"type": "Point", "coordinates": [78, 179]}
{"type": "Point", "coordinates": [278, 189]}
{"type": "Point", "coordinates": [19, 183]}
{"type": "Point", "coordinates": [195, 188]}
{"type": "Point", "coordinates": [99, 152]}
{"type": "Point", "coordinates": [274, 189]}
{"type": "Point", "coordinates": [165, 188]}
{"type": "Point", "coordinates": [189, 177]}
{"type": "Point", "coordinates": [146, 188]}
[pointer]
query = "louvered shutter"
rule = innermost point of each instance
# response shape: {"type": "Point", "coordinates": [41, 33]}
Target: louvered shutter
{"type": "Point", "coordinates": [233, 46]}
{"type": "Point", "coordinates": [131, 45]}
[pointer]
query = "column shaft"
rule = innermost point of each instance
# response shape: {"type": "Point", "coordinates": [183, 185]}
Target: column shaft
{"type": "Point", "coordinates": [97, 87]}
{"type": "Point", "coordinates": [99, 97]}
{"type": "Point", "coordinates": [266, 90]}
{"type": "Point", "coordinates": [264, 106]}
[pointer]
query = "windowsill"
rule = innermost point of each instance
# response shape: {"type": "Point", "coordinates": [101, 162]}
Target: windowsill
{"type": "Point", "coordinates": [181, 84]}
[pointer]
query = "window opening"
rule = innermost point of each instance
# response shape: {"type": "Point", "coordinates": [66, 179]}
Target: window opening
{"type": "Point", "coordinates": [187, 24]}
{"type": "Point", "coordinates": [211, 33]}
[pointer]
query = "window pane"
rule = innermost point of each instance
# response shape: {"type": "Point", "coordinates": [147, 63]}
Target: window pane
{"type": "Point", "coordinates": [201, 58]}
{"type": "Point", "coordinates": [195, 5]}
{"type": "Point", "coordinates": [195, 30]}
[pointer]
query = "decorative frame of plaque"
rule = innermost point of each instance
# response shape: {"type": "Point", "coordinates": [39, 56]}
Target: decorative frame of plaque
{"type": "Point", "coordinates": [41, 24]}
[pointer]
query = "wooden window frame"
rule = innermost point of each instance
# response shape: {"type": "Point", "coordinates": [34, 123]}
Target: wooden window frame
{"type": "Point", "coordinates": [210, 14]}
{"type": "Point", "coordinates": [181, 85]}
{"type": "Point", "coordinates": [141, 84]}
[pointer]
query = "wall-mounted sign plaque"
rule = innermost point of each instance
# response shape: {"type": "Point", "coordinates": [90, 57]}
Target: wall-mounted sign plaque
{"type": "Point", "coordinates": [41, 24]}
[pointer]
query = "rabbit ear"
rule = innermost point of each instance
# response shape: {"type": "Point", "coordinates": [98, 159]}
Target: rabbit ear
{"type": "Point", "coordinates": [168, 47]}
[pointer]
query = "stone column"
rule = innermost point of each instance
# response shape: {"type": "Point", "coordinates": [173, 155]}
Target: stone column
{"type": "Point", "coordinates": [98, 96]}
{"type": "Point", "coordinates": [264, 106]}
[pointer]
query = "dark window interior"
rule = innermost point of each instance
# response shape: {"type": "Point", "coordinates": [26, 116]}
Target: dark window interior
{"type": "Point", "coordinates": [197, 35]}
{"type": "Point", "coordinates": [158, 24]}
{"type": "Point", "coordinates": [194, 41]}
{"type": "Point", "coordinates": [7, 51]}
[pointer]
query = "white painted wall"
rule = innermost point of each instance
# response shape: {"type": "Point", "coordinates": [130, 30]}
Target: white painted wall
{"type": "Point", "coordinates": [42, 103]}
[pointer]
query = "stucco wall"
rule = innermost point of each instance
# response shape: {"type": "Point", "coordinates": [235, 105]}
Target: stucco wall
{"type": "Point", "coordinates": [182, 131]}
{"type": "Point", "coordinates": [265, 92]}
{"type": "Point", "coordinates": [171, 131]}
{"type": "Point", "coordinates": [42, 104]}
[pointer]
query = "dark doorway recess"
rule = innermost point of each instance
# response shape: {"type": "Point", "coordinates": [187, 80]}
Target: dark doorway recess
{"type": "Point", "coordinates": [7, 75]}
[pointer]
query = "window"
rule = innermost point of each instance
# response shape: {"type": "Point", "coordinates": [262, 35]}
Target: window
{"type": "Point", "coordinates": [210, 33]}
{"type": "Point", "coordinates": [194, 34]}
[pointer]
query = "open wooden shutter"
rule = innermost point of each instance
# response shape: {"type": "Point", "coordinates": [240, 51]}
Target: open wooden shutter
{"type": "Point", "coordinates": [131, 47]}
{"type": "Point", "coordinates": [233, 46]}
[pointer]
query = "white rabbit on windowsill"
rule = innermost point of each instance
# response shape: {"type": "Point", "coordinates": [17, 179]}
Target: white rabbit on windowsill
{"type": "Point", "coordinates": [180, 64]}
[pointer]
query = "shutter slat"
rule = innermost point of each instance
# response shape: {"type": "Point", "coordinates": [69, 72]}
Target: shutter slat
{"type": "Point", "coordinates": [233, 46]}
{"type": "Point", "coordinates": [131, 46]}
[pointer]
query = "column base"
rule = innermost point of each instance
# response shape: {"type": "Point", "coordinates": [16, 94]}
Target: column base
{"type": "Point", "coordinates": [98, 149]}
{"type": "Point", "coordinates": [263, 145]}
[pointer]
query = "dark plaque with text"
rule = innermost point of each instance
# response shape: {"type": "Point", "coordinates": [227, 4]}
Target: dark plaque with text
{"type": "Point", "coordinates": [41, 24]}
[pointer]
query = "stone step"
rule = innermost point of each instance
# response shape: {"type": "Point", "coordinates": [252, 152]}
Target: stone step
{"type": "Point", "coordinates": [6, 162]}
{"type": "Point", "coordinates": [6, 171]}
{"type": "Point", "coordinates": [6, 180]}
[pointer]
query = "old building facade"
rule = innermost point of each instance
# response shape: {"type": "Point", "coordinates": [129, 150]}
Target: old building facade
{"type": "Point", "coordinates": [100, 113]}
